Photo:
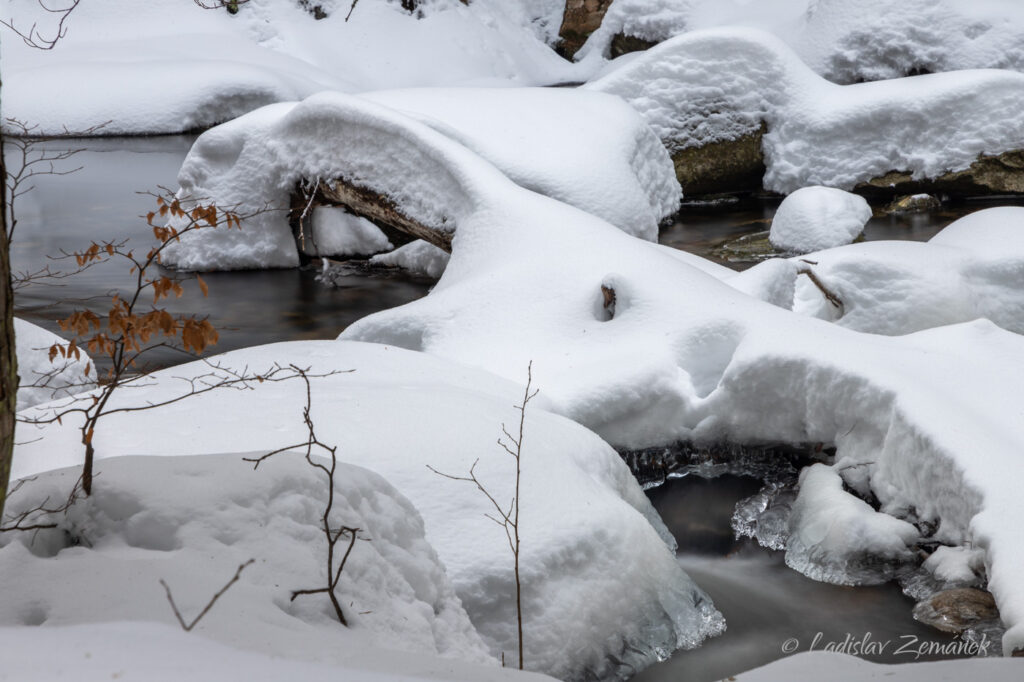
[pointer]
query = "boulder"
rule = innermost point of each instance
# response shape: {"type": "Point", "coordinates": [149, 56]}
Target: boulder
{"type": "Point", "coordinates": [989, 174]}
{"type": "Point", "coordinates": [581, 18]}
{"type": "Point", "coordinates": [725, 167]}
{"type": "Point", "coordinates": [957, 610]}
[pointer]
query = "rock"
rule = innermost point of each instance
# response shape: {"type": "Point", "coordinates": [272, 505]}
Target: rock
{"type": "Point", "coordinates": [580, 19]}
{"type": "Point", "coordinates": [990, 174]}
{"type": "Point", "coordinates": [956, 610]}
{"type": "Point", "coordinates": [624, 44]}
{"type": "Point", "coordinates": [911, 203]}
{"type": "Point", "coordinates": [723, 167]}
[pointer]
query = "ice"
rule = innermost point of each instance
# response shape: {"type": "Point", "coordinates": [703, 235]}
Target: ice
{"type": "Point", "coordinates": [603, 592]}
{"type": "Point", "coordinates": [838, 538]}
{"type": "Point", "coordinates": [816, 218]}
{"type": "Point", "coordinates": [819, 133]}
{"type": "Point", "coordinates": [43, 380]}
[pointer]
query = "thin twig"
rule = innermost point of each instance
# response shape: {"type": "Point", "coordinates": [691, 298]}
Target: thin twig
{"type": "Point", "coordinates": [187, 627]}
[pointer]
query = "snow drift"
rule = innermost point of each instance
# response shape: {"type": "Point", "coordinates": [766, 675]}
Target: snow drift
{"type": "Point", "coordinates": [584, 519]}
{"type": "Point", "coordinates": [41, 379]}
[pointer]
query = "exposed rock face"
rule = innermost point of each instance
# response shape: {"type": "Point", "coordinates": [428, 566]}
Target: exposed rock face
{"type": "Point", "coordinates": [990, 174]}
{"type": "Point", "coordinates": [912, 203]}
{"type": "Point", "coordinates": [624, 44]}
{"type": "Point", "coordinates": [581, 18]}
{"type": "Point", "coordinates": [722, 167]}
{"type": "Point", "coordinates": [956, 610]}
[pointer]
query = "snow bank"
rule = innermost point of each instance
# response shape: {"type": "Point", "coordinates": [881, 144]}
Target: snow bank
{"type": "Point", "coordinates": [600, 156]}
{"type": "Point", "coordinates": [845, 41]}
{"type": "Point", "coordinates": [815, 218]}
{"type": "Point", "coordinates": [156, 652]}
{"type": "Point", "coordinates": [166, 66]}
{"type": "Point", "coordinates": [41, 379]}
{"type": "Point", "coordinates": [808, 666]}
{"type": "Point", "coordinates": [335, 232]}
{"type": "Point", "coordinates": [973, 268]}
{"type": "Point", "coordinates": [721, 84]}
{"type": "Point", "coordinates": [603, 593]}
{"type": "Point", "coordinates": [193, 520]}
{"type": "Point", "coordinates": [646, 349]}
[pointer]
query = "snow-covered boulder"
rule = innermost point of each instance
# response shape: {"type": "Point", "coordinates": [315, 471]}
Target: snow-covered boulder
{"type": "Point", "coordinates": [586, 149]}
{"type": "Point", "coordinates": [895, 133]}
{"type": "Point", "coordinates": [973, 268]}
{"type": "Point", "coordinates": [815, 218]}
{"type": "Point", "coordinates": [167, 66]}
{"type": "Point", "coordinates": [418, 257]}
{"type": "Point", "coordinates": [192, 521]}
{"type": "Point", "coordinates": [43, 380]}
{"type": "Point", "coordinates": [584, 519]}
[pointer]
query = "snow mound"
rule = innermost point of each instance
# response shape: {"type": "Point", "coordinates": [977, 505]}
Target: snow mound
{"type": "Point", "coordinates": [193, 520]}
{"type": "Point", "coordinates": [845, 41]}
{"type": "Point", "coordinates": [418, 257]}
{"type": "Point", "coordinates": [973, 268]}
{"type": "Point", "coordinates": [583, 519]}
{"type": "Point", "coordinates": [615, 168]}
{"type": "Point", "coordinates": [156, 652]}
{"type": "Point", "coordinates": [41, 379]}
{"type": "Point", "coordinates": [815, 218]}
{"type": "Point", "coordinates": [838, 538]}
{"type": "Point", "coordinates": [165, 66]}
{"type": "Point", "coordinates": [721, 84]}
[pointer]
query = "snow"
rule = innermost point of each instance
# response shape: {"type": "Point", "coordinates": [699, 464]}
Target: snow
{"type": "Point", "coordinates": [155, 652]}
{"type": "Point", "coordinates": [815, 218]}
{"type": "Point", "coordinates": [971, 269]}
{"type": "Point", "coordinates": [193, 520]}
{"type": "Point", "coordinates": [601, 582]}
{"type": "Point", "coordinates": [833, 534]}
{"type": "Point", "coordinates": [955, 564]}
{"type": "Point", "coordinates": [819, 133]}
{"type": "Point", "coordinates": [168, 66]}
{"type": "Point", "coordinates": [685, 356]}
{"type": "Point", "coordinates": [41, 379]}
{"type": "Point", "coordinates": [336, 232]}
{"type": "Point", "coordinates": [808, 666]}
{"type": "Point", "coordinates": [845, 41]}
{"type": "Point", "coordinates": [418, 257]}
{"type": "Point", "coordinates": [597, 155]}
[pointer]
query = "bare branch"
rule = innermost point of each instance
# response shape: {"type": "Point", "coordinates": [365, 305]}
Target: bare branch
{"type": "Point", "coordinates": [829, 295]}
{"type": "Point", "coordinates": [187, 627]}
{"type": "Point", "coordinates": [33, 38]}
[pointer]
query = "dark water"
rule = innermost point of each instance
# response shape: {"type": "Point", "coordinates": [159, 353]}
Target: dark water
{"type": "Point", "coordinates": [100, 202]}
{"type": "Point", "coordinates": [767, 606]}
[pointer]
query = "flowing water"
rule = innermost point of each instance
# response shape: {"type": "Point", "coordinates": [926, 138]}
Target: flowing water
{"type": "Point", "coordinates": [765, 603]}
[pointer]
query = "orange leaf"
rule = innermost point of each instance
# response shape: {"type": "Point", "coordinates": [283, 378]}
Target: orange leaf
{"type": "Point", "coordinates": [202, 286]}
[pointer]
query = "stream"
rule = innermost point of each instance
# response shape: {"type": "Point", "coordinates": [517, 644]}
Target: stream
{"type": "Point", "coordinates": [764, 602]}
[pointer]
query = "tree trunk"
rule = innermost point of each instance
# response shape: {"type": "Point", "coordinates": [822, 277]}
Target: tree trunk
{"type": "Point", "coordinates": [8, 353]}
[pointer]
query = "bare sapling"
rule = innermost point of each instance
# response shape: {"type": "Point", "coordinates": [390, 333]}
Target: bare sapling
{"type": "Point", "coordinates": [507, 516]}
{"type": "Point", "coordinates": [332, 533]}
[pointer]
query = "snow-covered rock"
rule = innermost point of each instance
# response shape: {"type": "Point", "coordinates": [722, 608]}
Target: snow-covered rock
{"type": "Point", "coordinates": [720, 85]}
{"type": "Point", "coordinates": [596, 154]}
{"type": "Point", "coordinates": [603, 592]}
{"type": "Point", "coordinates": [973, 268]}
{"type": "Point", "coordinates": [166, 66]}
{"type": "Point", "coordinates": [43, 380]}
{"type": "Point", "coordinates": [418, 257]}
{"type": "Point", "coordinates": [193, 520]}
{"type": "Point", "coordinates": [815, 218]}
